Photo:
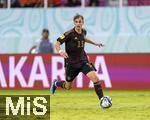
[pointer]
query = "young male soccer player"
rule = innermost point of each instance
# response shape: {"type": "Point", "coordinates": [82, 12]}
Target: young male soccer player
{"type": "Point", "coordinates": [75, 57]}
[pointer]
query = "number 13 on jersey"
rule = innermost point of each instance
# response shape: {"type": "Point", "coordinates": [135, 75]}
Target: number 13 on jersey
{"type": "Point", "coordinates": [80, 44]}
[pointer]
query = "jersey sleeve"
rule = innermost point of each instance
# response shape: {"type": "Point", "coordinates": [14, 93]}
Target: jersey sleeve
{"type": "Point", "coordinates": [84, 32]}
{"type": "Point", "coordinates": [62, 38]}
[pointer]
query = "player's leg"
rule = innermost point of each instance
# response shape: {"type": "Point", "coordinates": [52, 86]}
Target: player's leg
{"type": "Point", "coordinates": [64, 84]}
{"type": "Point", "coordinates": [89, 70]}
{"type": "Point", "coordinates": [71, 73]}
{"type": "Point", "coordinates": [97, 86]}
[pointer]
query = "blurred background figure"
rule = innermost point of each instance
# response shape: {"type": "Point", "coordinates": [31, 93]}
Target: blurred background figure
{"type": "Point", "coordinates": [3, 3]}
{"type": "Point", "coordinates": [138, 2]}
{"type": "Point", "coordinates": [94, 3]}
{"type": "Point", "coordinates": [113, 2]}
{"type": "Point", "coordinates": [39, 3]}
{"type": "Point", "coordinates": [43, 45]}
{"type": "Point", "coordinates": [73, 3]}
{"type": "Point", "coordinates": [15, 3]}
{"type": "Point", "coordinates": [54, 3]}
{"type": "Point", "coordinates": [32, 3]}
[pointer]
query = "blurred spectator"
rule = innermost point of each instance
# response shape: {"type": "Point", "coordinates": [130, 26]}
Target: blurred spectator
{"type": "Point", "coordinates": [113, 2]}
{"type": "Point", "coordinates": [73, 3]}
{"type": "Point", "coordinates": [39, 3]}
{"type": "Point", "coordinates": [23, 3]}
{"type": "Point", "coordinates": [32, 3]}
{"type": "Point", "coordinates": [27, 3]}
{"type": "Point", "coordinates": [3, 3]}
{"type": "Point", "coordinates": [138, 2]}
{"type": "Point", "coordinates": [143, 2]}
{"type": "Point", "coordinates": [94, 3]}
{"type": "Point", "coordinates": [103, 2]}
{"type": "Point", "coordinates": [15, 3]}
{"type": "Point", "coordinates": [43, 45]}
{"type": "Point", "coordinates": [54, 3]}
{"type": "Point", "coordinates": [125, 2]}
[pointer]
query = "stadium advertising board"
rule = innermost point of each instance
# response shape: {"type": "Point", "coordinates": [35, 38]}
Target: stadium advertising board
{"type": "Point", "coordinates": [116, 71]}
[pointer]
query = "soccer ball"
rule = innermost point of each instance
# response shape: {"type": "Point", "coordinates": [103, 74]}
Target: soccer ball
{"type": "Point", "coordinates": [106, 102]}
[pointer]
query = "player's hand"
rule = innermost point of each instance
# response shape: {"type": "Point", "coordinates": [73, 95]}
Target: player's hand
{"type": "Point", "coordinates": [100, 45]}
{"type": "Point", "coordinates": [63, 54]}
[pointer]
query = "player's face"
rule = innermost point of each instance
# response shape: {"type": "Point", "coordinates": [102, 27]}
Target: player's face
{"type": "Point", "coordinates": [78, 23]}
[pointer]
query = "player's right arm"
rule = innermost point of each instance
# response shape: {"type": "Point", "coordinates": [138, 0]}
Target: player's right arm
{"type": "Point", "coordinates": [60, 51]}
{"type": "Point", "coordinates": [63, 38]}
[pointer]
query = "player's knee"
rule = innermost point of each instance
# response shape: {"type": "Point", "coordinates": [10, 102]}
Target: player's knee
{"type": "Point", "coordinates": [95, 78]}
{"type": "Point", "coordinates": [68, 86]}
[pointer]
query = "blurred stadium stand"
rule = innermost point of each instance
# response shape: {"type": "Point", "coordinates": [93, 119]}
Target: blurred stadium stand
{"type": "Point", "coordinates": [138, 2]}
{"type": "Point", "coordinates": [71, 3]}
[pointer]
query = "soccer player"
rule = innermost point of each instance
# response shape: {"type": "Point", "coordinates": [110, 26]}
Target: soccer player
{"type": "Point", "coordinates": [75, 57]}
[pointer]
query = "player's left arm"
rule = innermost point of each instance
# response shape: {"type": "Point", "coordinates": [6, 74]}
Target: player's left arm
{"type": "Point", "coordinates": [94, 43]}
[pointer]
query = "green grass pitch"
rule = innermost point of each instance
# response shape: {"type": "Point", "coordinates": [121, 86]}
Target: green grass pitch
{"type": "Point", "coordinates": [84, 105]}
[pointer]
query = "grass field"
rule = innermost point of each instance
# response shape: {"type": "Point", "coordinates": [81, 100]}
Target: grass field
{"type": "Point", "coordinates": [84, 105]}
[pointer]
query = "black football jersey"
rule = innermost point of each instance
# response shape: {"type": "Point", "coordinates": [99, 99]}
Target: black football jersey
{"type": "Point", "coordinates": [74, 45]}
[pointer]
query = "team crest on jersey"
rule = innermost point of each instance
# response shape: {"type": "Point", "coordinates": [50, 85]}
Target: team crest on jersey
{"type": "Point", "coordinates": [62, 37]}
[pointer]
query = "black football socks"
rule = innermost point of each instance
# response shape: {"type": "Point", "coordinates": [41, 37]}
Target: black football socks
{"type": "Point", "coordinates": [98, 89]}
{"type": "Point", "coordinates": [61, 84]}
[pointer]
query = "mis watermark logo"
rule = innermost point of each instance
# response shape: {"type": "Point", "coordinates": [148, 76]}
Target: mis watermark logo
{"type": "Point", "coordinates": [31, 107]}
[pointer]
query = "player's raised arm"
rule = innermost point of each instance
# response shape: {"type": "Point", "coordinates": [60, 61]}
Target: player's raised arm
{"type": "Point", "coordinates": [60, 51]}
{"type": "Point", "coordinates": [91, 42]}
